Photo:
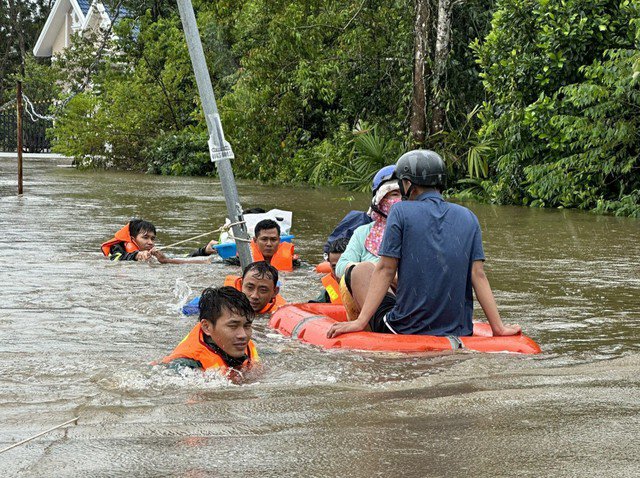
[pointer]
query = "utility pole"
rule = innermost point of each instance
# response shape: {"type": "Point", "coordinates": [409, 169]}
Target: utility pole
{"type": "Point", "coordinates": [219, 150]}
{"type": "Point", "coordinates": [19, 132]}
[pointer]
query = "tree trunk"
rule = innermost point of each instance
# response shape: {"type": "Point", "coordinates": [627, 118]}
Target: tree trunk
{"type": "Point", "coordinates": [422, 22]}
{"type": "Point", "coordinates": [443, 47]}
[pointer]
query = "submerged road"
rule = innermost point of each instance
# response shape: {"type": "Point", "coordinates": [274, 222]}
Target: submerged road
{"type": "Point", "coordinates": [77, 333]}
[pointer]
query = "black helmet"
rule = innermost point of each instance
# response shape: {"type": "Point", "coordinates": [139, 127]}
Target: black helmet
{"type": "Point", "coordinates": [422, 167]}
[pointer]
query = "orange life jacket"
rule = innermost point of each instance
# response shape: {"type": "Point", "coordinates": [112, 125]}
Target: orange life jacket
{"type": "Point", "coordinates": [333, 288]}
{"type": "Point", "coordinates": [282, 260]}
{"type": "Point", "coordinates": [123, 235]}
{"type": "Point", "coordinates": [194, 347]}
{"type": "Point", "coordinates": [233, 281]}
{"type": "Point", "coordinates": [271, 306]}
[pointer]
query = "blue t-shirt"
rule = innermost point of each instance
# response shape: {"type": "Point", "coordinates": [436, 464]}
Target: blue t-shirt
{"type": "Point", "coordinates": [436, 243]}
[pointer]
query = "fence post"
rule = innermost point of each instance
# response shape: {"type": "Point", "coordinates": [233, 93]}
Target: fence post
{"type": "Point", "coordinates": [19, 130]}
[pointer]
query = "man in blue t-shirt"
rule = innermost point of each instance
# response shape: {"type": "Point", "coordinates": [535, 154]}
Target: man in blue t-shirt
{"type": "Point", "coordinates": [436, 249]}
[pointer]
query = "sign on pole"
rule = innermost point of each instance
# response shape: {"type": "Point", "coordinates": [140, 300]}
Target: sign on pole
{"type": "Point", "coordinates": [219, 149]}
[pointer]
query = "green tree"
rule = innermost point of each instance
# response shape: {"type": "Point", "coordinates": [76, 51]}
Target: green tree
{"type": "Point", "coordinates": [293, 80]}
{"type": "Point", "coordinates": [20, 25]}
{"type": "Point", "coordinates": [548, 138]}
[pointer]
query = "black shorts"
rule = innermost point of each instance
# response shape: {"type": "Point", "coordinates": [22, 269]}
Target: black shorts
{"type": "Point", "coordinates": [376, 322]}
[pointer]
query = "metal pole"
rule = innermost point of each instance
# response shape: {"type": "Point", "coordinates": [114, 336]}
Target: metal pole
{"type": "Point", "coordinates": [19, 132]}
{"type": "Point", "coordinates": [219, 149]}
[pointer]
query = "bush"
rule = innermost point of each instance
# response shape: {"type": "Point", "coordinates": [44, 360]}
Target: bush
{"type": "Point", "coordinates": [183, 153]}
{"type": "Point", "coordinates": [562, 118]}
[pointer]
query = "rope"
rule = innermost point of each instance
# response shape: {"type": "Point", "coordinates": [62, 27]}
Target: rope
{"type": "Point", "coordinates": [241, 239]}
{"type": "Point", "coordinates": [226, 227]}
{"type": "Point", "coordinates": [29, 108]}
{"type": "Point", "coordinates": [31, 111]}
{"type": "Point", "coordinates": [74, 421]}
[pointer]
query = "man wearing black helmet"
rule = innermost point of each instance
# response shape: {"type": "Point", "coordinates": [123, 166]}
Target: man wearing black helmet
{"type": "Point", "coordinates": [436, 249]}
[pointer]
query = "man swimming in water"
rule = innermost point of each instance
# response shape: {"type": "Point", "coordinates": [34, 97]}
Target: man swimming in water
{"type": "Point", "coordinates": [259, 282]}
{"type": "Point", "coordinates": [221, 340]}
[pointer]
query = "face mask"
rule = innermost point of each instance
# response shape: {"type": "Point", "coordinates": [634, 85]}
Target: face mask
{"type": "Point", "coordinates": [386, 203]}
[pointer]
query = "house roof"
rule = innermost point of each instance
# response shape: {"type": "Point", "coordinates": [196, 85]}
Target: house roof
{"type": "Point", "coordinates": [56, 21]}
{"type": "Point", "coordinates": [84, 5]}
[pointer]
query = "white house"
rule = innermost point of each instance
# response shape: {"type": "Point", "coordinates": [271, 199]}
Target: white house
{"type": "Point", "coordinates": [66, 18]}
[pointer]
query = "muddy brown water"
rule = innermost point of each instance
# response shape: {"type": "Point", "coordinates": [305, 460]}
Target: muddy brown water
{"type": "Point", "coordinates": [77, 333]}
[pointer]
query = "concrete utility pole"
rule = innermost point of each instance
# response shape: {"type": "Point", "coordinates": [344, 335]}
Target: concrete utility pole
{"type": "Point", "coordinates": [220, 151]}
{"type": "Point", "coordinates": [19, 133]}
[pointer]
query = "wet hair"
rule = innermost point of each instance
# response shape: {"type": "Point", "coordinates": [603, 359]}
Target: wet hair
{"type": "Point", "coordinates": [136, 226]}
{"type": "Point", "coordinates": [214, 301]}
{"type": "Point", "coordinates": [266, 224]}
{"type": "Point", "coordinates": [255, 210]}
{"type": "Point", "coordinates": [261, 270]}
{"type": "Point", "coordinates": [338, 246]}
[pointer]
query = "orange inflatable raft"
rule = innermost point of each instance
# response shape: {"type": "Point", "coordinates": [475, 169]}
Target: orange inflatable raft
{"type": "Point", "coordinates": [310, 322]}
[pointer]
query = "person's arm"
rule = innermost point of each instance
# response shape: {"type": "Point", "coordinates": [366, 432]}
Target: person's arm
{"type": "Point", "coordinates": [381, 279]}
{"type": "Point", "coordinates": [163, 259]}
{"type": "Point", "coordinates": [205, 251]}
{"type": "Point", "coordinates": [487, 301]}
{"type": "Point", "coordinates": [354, 251]}
{"type": "Point", "coordinates": [181, 363]}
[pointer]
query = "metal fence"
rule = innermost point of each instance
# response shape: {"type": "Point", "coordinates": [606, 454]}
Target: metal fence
{"type": "Point", "coordinates": [34, 128]}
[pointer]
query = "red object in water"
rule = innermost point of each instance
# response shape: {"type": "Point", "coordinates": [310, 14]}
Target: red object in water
{"type": "Point", "coordinates": [324, 268]}
{"type": "Point", "coordinates": [310, 322]}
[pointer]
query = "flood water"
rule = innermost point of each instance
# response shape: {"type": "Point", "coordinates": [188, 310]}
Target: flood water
{"type": "Point", "coordinates": [77, 333]}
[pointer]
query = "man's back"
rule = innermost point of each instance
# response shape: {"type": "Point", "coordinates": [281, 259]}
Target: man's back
{"type": "Point", "coordinates": [436, 243]}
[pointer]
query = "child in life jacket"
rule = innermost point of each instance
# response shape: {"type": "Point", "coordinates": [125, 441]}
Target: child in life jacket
{"type": "Point", "coordinates": [136, 240]}
{"type": "Point", "coordinates": [222, 338]}
{"type": "Point", "coordinates": [133, 242]}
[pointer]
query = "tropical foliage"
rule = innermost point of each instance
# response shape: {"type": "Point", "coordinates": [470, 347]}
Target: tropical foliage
{"type": "Point", "coordinates": [562, 115]}
{"type": "Point", "coordinates": [541, 96]}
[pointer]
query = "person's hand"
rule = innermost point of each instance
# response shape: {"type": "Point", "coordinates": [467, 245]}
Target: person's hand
{"type": "Point", "coordinates": [143, 255]}
{"type": "Point", "coordinates": [345, 327]}
{"type": "Point", "coordinates": [209, 248]}
{"type": "Point", "coordinates": [158, 254]}
{"type": "Point", "coordinates": [509, 329]}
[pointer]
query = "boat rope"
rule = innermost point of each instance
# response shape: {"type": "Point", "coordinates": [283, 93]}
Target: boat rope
{"type": "Point", "coordinates": [241, 239]}
{"type": "Point", "coordinates": [74, 421]}
{"type": "Point", "coordinates": [225, 227]}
